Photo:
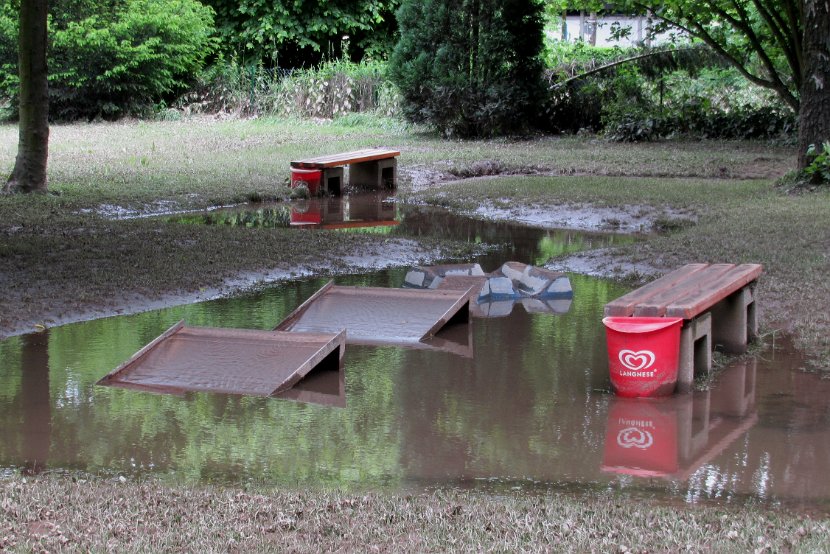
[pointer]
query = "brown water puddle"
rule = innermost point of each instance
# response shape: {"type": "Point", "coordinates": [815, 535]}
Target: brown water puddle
{"type": "Point", "coordinates": [514, 402]}
{"type": "Point", "coordinates": [530, 410]}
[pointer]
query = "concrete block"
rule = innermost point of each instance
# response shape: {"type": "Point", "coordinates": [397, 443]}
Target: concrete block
{"type": "Point", "coordinates": [695, 350]}
{"type": "Point", "coordinates": [415, 278]}
{"type": "Point", "coordinates": [501, 287]}
{"type": "Point", "coordinates": [375, 174]}
{"type": "Point", "coordinates": [560, 288]}
{"type": "Point", "coordinates": [332, 181]}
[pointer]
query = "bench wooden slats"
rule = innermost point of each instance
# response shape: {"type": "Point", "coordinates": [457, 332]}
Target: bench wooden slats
{"type": "Point", "coordinates": [625, 305]}
{"type": "Point", "coordinates": [690, 285]}
{"type": "Point", "coordinates": [728, 283]}
{"type": "Point", "coordinates": [685, 292]}
{"type": "Point", "coordinates": [345, 158]}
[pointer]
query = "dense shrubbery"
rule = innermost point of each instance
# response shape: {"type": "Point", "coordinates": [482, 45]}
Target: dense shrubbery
{"type": "Point", "coordinates": [330, 90]}
{"type": "Point", "coordinates": [688, 92]}
{"type": "Point", "coordinates": [470, 68]}
{"type": "Point", "coordinates": [117, 60]}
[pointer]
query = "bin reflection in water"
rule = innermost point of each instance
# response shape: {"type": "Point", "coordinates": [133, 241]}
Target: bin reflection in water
{"type": "Point", "coordinates": [355, 210]}
{"type": "Point", "coordinates": [672, 437]}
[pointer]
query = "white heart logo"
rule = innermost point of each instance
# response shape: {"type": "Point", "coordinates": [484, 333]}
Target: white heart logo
{"type": "Point", "coordinates": [635, 361]}
{"type": "Point", "coordinates": [633, 437]}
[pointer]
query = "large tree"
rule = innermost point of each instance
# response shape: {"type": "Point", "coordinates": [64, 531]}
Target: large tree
{"type": "Point", "coordinates": [783, 45]}
{"type": "Point", "coordinates": [29, 173]}
{"type": "Point", "coordinates": [289, 33]}
{"type": "Point", "coordinates": [470, 67]}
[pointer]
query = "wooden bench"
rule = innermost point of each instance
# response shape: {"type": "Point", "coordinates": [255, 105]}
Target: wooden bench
{"type": "Point", "coordinates": [716, 302]}
{"type": "Point", "coordinates": [372, 167]}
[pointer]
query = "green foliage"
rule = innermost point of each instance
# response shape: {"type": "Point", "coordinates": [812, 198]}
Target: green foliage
{"type": "Point", "coordinates": [762, 37]}
{"type": "Point", "coordinates": [9, 81]}
{"type": "Point", "coordinates": [330, 90]}
{"type": "Point", "coordinates": [686, 91]}
{"type": "Point", "coordinates": [818, 169]}
{"type": "Point", "coordinates": [294, 34]}
{"type": "Point", "coordinates": [111, 65]}
{"type": "Point", "coordinates": [470, 67]}
{"type": "Point", "coordinates": [114, 59]}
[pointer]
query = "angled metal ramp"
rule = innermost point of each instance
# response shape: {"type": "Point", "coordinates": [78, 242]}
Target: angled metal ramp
{"type": "Point", "coordinates": [380, 316]}
{"type": "Point", "coordinates": [234, 361]}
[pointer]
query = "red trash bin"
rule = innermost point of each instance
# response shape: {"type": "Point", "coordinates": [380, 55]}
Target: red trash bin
{"type": "Point", "coordinates": [643, 353]}
{"type": "Point", "coordinates": [308, 177]}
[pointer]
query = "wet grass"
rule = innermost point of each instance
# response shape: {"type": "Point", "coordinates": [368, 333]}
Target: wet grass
{"type": "Point", "coordinates": [97, 515]}
{"type": "Point", "coordinates": [737, 221]}
{"type": "Point", "coordinates": [59, 255]}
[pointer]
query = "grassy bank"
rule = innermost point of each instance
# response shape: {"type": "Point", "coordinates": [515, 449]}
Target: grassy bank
{"type": "Point", "coordinates": [736, 221]}
{"type": "Point", "coordinates": [63, 514]}
{"type": "Point", "coordinates": [62, 256]}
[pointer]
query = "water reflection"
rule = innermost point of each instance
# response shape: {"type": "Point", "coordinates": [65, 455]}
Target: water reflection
{"type": "Point", "coordinates": [527, 402]}
{"type": "Point", "coordinates": [672, 437]}
{"type": "Point", "coordinates": [36, 425]}
{"type": "Point", "coordinates": [351, 211]}
{"type": "Point", "coordinates": [530, 406]}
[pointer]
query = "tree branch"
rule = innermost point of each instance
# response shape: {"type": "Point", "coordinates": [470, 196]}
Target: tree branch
{"type": "Point", "coordinates": [615, 63]}
{"type": "Point", "coordinates": [696, 29]}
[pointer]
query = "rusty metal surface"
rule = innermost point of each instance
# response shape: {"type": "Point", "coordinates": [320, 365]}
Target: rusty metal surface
{"type": "Point", "coordinates": [234, 361]}
{"type": "Point", "coordinates": [376, 315]}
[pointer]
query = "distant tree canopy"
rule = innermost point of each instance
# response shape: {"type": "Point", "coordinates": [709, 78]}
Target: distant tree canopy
{"type": "Point", "coordinates": [291, 34]}
{"type": "Point", "coordinates": [470, 67]}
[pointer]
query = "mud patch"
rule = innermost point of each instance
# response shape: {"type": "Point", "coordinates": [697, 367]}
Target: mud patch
{"type": "Point", "coordinates": [608, 263]}
{"type": "Point", "coordinates": [64, 307]}
{"type": "Point", "coordinates": [624, 219]}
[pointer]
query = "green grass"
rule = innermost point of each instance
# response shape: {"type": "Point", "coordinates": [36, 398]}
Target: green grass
{"type": "Point", "coordinates": [57, 254]}
{"type": "Point", "coordinates": [95, 515]}
{"type": "Point", "coordinates": [738, 221]}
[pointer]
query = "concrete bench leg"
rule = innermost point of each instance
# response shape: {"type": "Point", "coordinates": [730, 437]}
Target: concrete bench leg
{"type": "Point", "coordinates": [735, 321]}
{"type": "Point", "coordinates": [332, 182]}
{"type": "Point", "coordinates": [695, 350]}
{"type": "Point", "coordinates": [376, 174]}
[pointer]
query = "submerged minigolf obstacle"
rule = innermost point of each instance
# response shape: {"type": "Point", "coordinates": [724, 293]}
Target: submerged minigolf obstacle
{"type": "Point", "coordinates": [233, 361]}
{"type": "Point", "coordinates": [494, 294]}
{"type": "Point", "coordinates": [380, 316]}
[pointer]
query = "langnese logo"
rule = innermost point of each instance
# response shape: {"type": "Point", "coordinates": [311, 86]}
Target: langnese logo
{"type": "Point", "coordinates": [636, 361]}
{"type": "Point", "coordinates": [632, 437]}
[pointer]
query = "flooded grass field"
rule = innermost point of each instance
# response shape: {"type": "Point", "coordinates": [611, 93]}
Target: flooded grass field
{"type": "Point", "coordinates": [519, 402]}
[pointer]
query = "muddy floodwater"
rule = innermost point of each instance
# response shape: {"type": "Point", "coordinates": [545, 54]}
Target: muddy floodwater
{"type": "Point", "coordinates": [519, 402]}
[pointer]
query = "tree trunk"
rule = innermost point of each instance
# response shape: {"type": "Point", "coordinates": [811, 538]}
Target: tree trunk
{"type": "Point", "coordinates": [29, 173]}
{"type": "Point", "coordinates": [814, 112]}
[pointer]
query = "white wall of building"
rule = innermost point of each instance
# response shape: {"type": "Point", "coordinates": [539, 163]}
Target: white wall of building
{"type": "Point", "coordinates": [579, 27]}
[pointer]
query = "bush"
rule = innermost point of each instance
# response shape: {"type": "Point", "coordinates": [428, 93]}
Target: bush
{"type": "Point", "coordinates": [119, 61]}
{"type": "Point", "coordinates": [9, 81]}
{"type": "Point", "coordinates": [686, 92]}
{"type": "Point", "coordinates": [470, 68]}
{"type": "Point", "coordinates": [330, 90]}
{"type": "Point", "coordinates": [818, 171]}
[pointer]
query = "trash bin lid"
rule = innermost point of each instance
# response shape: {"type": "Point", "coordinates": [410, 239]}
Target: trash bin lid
{"type": "Point", "coordinates": [640, 324]}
